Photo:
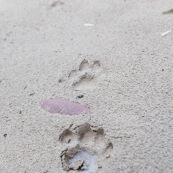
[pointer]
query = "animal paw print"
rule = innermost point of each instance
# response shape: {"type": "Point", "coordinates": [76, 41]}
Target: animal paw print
{"type": "Point", "coordinates": [86, 149]}
{"type": "Point", "coordinates": [55, 4]}
{"type": "Point", "coordinates": [87, 76]}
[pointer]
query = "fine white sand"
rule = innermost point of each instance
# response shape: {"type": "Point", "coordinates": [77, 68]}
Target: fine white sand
{"type": "Point", "coordinates": [114, 53]}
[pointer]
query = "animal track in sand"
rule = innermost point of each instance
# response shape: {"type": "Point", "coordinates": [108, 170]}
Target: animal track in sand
{"type": "Point", "coordinates": [55, 4]}
{"type": "Point", "coordinates": [85, 148]}
{"type": "Point", "coordinates": [87, 76]}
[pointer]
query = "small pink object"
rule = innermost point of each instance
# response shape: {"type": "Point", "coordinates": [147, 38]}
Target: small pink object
{"type": "Point", "coordinates": [63, 106]}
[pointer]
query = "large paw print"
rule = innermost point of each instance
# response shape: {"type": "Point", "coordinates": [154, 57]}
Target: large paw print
{"type": "Point", "coordinates": [86, 149]}
{"type": "Point", "coordinates": [87, 76]}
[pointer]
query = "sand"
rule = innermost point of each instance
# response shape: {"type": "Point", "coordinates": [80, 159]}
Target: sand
{"type": "Point", "coordinates": [110, 51]}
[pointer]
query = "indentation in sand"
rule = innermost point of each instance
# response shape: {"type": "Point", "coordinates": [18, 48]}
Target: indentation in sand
{"type": "Point", "coordinates": [86, 148]}
{"type": "Point", "coordinates": [87, 76]}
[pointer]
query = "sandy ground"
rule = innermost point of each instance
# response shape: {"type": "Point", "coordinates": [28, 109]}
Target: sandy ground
{"type": "Point", "coordinates": [45, 49]}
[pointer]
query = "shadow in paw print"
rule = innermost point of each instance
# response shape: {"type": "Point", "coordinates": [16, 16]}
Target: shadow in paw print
{"type": "Point", "coordinates": [55, 4]}
{"type": "Point", "coordinates": [79, 159]}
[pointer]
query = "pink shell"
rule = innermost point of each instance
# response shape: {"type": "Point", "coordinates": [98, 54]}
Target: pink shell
{"type": "Point", "coordinates": [63, 106]}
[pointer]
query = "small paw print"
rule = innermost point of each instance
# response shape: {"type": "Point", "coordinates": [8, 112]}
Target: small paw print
{"type": "Point", "coordinates": [87, 76]}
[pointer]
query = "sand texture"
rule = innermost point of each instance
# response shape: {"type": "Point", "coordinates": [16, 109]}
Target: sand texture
{"type": "Point", "coordinates": [113, 56]}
